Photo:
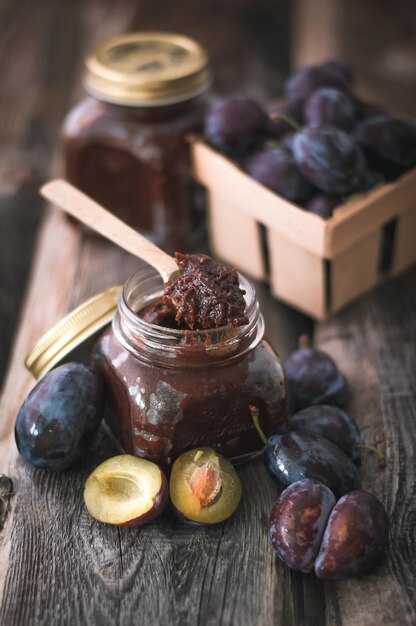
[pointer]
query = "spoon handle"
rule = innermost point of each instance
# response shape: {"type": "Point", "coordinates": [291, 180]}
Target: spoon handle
{"type": "Point", "coordinates": [86, 210]}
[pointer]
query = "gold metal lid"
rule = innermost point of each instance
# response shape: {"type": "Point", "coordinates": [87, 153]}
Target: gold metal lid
{"type": "Point", "coordinates": [147, 69]}
{"type": "Point", "coordinates": [71, 331]}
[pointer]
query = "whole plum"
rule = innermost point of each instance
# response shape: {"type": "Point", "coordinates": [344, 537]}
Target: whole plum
{"type": "Point", "coordinates": [330, 106]}
{"type": "Point", "coordinates": [298, 521]}
{"type": "Point", "coordinates": [340, 68]}
{"type": "Point", "coordinates": [389, 144]}
{"type": "Point", "coordinates": [285, 118]}
{"type": "Point", "coordinates": [60, 417]}
{"type": "Point", "coordinates": [313, 378]}
{"type": "Point", "coordinates": [286, 142]}
{"type": "Point", "coordinates": [369, 179]}
{"type": "Point", "coordinates": [369, 109]}
{"type": "Point", "coordinates": [311, 77]}
{"type": "Point", "coordinates": [355, 537]}
{"type": "Point", "coordinates": [237, 125]}
{"type": "Point", "coordinates": [323, 204]}
{"type": "Point", "coordinates": [276, 169]}
{"type": "Point", "coordinates": [296, 455]}
{"type": "Point", "coordinates": [329, 159]}
{"type": "Point", "coordinates": [331, 423]}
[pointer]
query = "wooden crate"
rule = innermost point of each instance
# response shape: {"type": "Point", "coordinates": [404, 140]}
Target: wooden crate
{"type": "Point", "coordinates": [316, 265]}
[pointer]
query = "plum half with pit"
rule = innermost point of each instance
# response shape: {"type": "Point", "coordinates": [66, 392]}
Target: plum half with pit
{"type": "Point", "coordinates": [60, 417]}
{"type": "Point", "coordinates": [126, 490]}
{"type": "Point", "coordinates": [204, 486]}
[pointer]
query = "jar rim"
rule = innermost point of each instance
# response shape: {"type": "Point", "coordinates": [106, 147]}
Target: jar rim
{"type": "Point", "coordinates": [143, 338]}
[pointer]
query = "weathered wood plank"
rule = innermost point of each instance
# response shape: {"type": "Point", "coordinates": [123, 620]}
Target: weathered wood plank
{"type": "Point", "coordinates": [38, 62]}
{"type": "Point", "coordinates": [189, 572]}
{"type": "Point", "coordinates": [57, 566]}
{"type": "Point", "coordinates": [375, 344]}
{"type": "Point", "coordinates": [169, 573]}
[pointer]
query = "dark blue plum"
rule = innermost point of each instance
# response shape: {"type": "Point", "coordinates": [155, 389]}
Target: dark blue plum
{"type": "Point", "coordinates": [367, 110]}
{"type": "Point", "coordinates": [276, 169]}
{"type": "Point", "coordinates": [333, 424]}
{"type": "Point", "coordinates": [297, 455]}
{"type": "Point", "coordinates": [389, 144]}
{"type": "Point", "coordinates": [285, 118]}
{"type": "Point", "coordinates": [341, 68]}
{"type": "Point", "coordinates": [286, 142]}
{"type": "Point", "coordinates": [329, 159]}
{"type": "Point", "coordinates": [236, 125]}
{"type": "Point", "coordinates": [313, 378]}
{"type": "Point", "coordinates": [308, 79]}
{"type": "Point", "coordinates": [298, 521]}
{"type": "Point", "coordinates": [323, 204]}
{"type": "Point", "coordinates": [369, 179]}
{"type": "Point", "coordinates": [60, 417]}
{"type": "Point", "coordinates": [330, 106]}
{"type": "Point", "coordinates": [355, 537]}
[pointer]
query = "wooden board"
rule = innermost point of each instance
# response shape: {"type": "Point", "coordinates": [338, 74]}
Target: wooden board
{"type": "Point", "coordinates": [58, 566]}
{"type": "Point", "coordinates": [166, 571]}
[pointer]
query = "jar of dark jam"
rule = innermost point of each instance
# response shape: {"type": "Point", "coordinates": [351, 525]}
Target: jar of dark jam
{"type": "Point", "coordinates": [125, 145]}
{"type": "Point", "coordinates": [173, 390]}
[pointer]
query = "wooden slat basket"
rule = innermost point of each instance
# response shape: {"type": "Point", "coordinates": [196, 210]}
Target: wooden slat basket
{"type": "Point", "coordinates": [316, 265]}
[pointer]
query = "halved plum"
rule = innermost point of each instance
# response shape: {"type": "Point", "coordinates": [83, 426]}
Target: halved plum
{"type": "Point", "coordinates": [126, 491]}
{"type": "Point", "coordinates": [204, 486]}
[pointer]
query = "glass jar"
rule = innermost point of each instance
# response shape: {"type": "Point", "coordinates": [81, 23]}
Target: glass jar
{"type": "Point", "coordinates": [173, 390]}
{"type": "Point", "coordinates": [125, 145]}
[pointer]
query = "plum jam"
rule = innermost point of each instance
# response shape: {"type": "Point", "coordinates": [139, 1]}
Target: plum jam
{"type": "Point", "coordinates": [174, 389]}
{"type": "Point", "coordinates": [125, 145]}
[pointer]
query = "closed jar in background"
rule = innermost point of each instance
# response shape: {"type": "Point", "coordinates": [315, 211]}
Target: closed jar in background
{"type": "Point", "coordinates": [125, 144]}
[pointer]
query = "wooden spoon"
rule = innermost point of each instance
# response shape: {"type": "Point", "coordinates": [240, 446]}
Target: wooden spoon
{"type": "Point", "coordinates": [86, 210]}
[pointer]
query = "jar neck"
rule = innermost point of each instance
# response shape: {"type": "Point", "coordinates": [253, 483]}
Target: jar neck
{"type": "Point", "coordinates": [174, 347]}
{"type": "Point", "coordinates": [156, 111]}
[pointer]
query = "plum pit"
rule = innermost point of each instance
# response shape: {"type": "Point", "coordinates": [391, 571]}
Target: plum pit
{"type": "Point", "coordinates": [204, 486]}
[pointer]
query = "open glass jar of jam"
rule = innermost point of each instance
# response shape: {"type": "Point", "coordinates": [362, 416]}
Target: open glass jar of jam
{"type": "Point", "coordinates": [172, 390]}
{"type": "Point", "coordinates": [125, 145]}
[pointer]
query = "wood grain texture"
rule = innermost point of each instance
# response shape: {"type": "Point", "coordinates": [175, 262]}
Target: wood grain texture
{"type": "Point", "coordinates": [375, 344]}
{"type": "Point", "coordinates": [57, 565]}
{"type": "Point", "coordinates": [79, 571]}
{"type": "Point", "coordinates": [72, 570]}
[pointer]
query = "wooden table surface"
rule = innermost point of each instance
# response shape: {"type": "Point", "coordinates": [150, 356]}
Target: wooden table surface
{"type": "Point", "coordinates": [58, 566]}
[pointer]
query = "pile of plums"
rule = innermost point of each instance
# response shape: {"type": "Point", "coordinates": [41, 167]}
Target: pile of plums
{"type": "Point", "coordinates": [319, 147]}
{"type": "Point", "coordinates": [314, 463]}
{"type": "Point", "coordinates": [56, 426]}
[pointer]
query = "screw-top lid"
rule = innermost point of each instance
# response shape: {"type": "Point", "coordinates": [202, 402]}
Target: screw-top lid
{"type": "Point", "coordinates": [147, 69]}
{"type": "Point", "coordinates": [71, 331]}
